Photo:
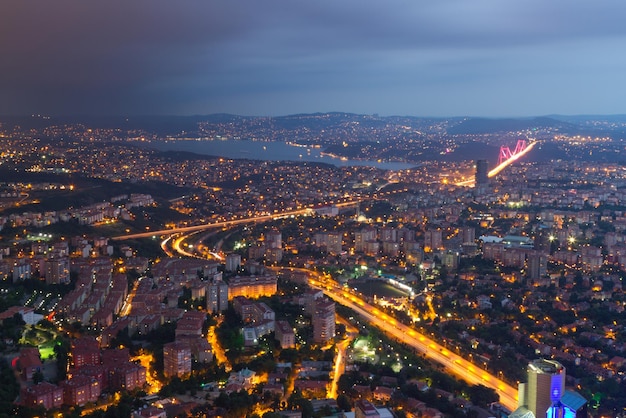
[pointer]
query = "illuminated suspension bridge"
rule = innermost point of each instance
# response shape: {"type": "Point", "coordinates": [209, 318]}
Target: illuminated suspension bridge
{"type": "Point", "coordinates": [506, 158]}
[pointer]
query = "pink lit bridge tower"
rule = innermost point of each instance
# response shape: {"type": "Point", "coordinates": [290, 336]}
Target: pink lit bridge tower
{"type": "Point", "coordinates": [508, 157]}
{"type": "Point", "coordinates": [506, 154]}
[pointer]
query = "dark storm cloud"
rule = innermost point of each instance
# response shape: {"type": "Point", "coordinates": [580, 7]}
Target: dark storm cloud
{"type": "Point", "coordinates": [278, 57]}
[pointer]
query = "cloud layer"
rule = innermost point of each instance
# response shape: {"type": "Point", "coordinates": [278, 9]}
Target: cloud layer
{"type": "Point", "coordinates": [270, 57]}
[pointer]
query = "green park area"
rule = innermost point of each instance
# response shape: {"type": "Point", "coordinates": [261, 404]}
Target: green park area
{"type": "Point", "coordinates": [44, 338]}
{"type": "Point", "coordinates": [363, 351]}
{"type": "Point", "coordinates": [373, 350]}
{"type": "Point", "coordinates": [46, 350]}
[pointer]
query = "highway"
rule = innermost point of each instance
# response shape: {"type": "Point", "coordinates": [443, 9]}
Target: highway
{"type": "Point", "coordinates": [453, 363]}
{"type": "Point", "coordinates": [496, 170]}
{"type": "Point", "coordinates": [514, 157]}
{"type": "Point", "coordinates": [261, 218]}
{"type": "Point", "coordinates": [223, 224]}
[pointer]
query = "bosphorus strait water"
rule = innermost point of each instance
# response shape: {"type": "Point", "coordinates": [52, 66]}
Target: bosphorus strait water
{"type": "Point", "coordinates": [268, 151]}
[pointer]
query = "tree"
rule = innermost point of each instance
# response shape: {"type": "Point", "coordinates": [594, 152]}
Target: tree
{"type": "Point", "coordinates": [343, 402]}
{"type": "Point", "coordinates": [296, 401]}
{"type": "Point", "coordinates": [62, 350]}
{"type": "Point", "coordinates": [12, 327]}
{"type": "Point", "coordinates": [46, 324]}
{"type": "Point", "coordinates": [10, 388]}
{"type": "Point", "coordinates": [122, 339]}
{"type": "Point", "coordinates": [481, 395]}
{"type": "Point", "coordinates": [184, 300]}
{"type": "Point", "coordinates": [238, 404]}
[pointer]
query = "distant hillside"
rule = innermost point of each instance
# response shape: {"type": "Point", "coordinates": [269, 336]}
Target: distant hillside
{"type": "Point", "coordinates": [87, 190]}
{"type": "Point", "coordinates": [478, 126]}
{"type": "Point", "coordinates": [188, 125]}
{"type": "Point", "coordinates": [579, 119]}
{"type": "Point", "coordinates": [330, 127]}
{"type": "Point", "coordinates": [474, 151]}
{"type": "Point", "coordinates": [161, 125]}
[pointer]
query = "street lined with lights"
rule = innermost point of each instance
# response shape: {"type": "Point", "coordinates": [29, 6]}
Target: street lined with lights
{"type": "Point", "coordinates": [453, 362]}
{"type": "Point", "coordinates": [431, 349]}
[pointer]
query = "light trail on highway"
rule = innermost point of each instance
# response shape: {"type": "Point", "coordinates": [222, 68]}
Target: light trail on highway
{"type": "Point", "coordinates": [223, 224]}
{"type": "Point", "coordinates": [497, 169]}
{"type": "Point", "coordinates": [454, 363]}
{"type": "Point", "coordinates": [234, 222]}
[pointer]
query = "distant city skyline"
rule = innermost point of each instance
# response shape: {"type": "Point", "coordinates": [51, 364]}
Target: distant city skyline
{"type": "Point", "coordinates": [452, 58]}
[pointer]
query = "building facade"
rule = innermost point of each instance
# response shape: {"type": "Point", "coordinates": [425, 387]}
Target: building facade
{"type": "Point", "coordinates": [545, 396]}
{"type": "Point", "coordinates": [176, 359]}
{"type": "Point", "coordinates": [482, 172]}
{"type": "Point", "coordinates": [323, 321]}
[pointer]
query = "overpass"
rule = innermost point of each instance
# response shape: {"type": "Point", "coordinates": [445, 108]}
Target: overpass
{"type": "Point", "coordinates": [222, 224]}
{"type": "Point", "coordinates": [452, 362]}
{"type": "Point", "coordinates": [234, 222]}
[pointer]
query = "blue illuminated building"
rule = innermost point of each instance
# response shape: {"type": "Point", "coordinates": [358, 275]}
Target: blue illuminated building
{"type": "Point", "coordinates": [544, 395]}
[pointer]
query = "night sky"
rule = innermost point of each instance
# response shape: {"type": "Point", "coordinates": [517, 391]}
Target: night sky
{"type": "Point", "coordinates": [267, 57]}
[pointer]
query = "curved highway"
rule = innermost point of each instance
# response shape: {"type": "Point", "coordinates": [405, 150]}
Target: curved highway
{"type": "Point", "coordinates": [222, 224]}
{"type": "Point", "coordinates": [261, 218]}
{"type": "Point", "coordinates": [453, 363]}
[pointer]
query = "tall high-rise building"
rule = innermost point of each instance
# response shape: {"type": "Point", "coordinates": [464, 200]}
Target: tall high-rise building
{"type": "Point", "coordinates": [469, 234]}
{"type": "Point", "coordinates": [362, 237]}
{"type": "Point", "coordinates": [252, 286]}
{"type": "Point", "coordinates": [274, 239]}
{"type": "Point", "coordinates": [233, 262]}
{"type": "Point", "coordinates": [176, 359]}
{"type": "Point", "coordinates": [433, 240]}
{"type": "Point", "coordinates": [217, 296]}
{"type": "Point", "coordinates": [544, 395]}
{"type": "Point", "coordinates": [335, 239]}
{"type": "Point", "coordinates": [482, 172]}
{"type": "Point", "coordinates": [57, 270]}
{"type": "Point", "coordinates": [537, 265]}
{"type": "Point", "coordinates": [285, 334]}
{"type": "Point", "coordinates": [388, 234]}
{"type": "Point", "coordinates": [323, 321]}
{"type": "Point", "coordinates": [546, 382]}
